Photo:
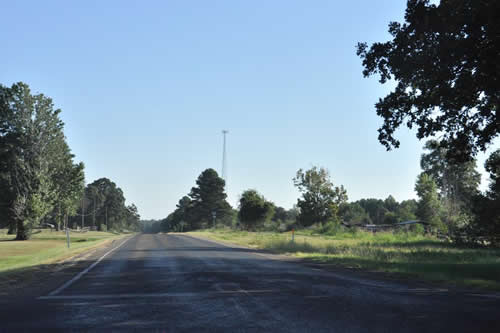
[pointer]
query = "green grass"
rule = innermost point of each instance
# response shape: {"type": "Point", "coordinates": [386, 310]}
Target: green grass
{"type": "Point", "coordinates": [46, 247]}
{"type": "Point", "coordinates": [402, 254]}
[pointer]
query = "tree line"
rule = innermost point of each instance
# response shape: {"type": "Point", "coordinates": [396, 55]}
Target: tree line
{"type": "Point", "coordinates": [103, 208]}
{"type": "Point", "coordinates": [444, 60]}
{"type": "Point", "coordinates": [40, 183]}
{"type": "Point", "coordinates": [449, 202]}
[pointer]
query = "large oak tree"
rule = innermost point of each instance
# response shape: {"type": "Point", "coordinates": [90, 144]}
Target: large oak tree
{"type": "Point", "coordinates": [445, 60]}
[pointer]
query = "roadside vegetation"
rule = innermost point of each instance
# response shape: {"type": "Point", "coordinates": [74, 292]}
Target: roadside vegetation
{"type": "Point", "coordinates": [451, 233]}
{"type": "Point", "coordinates": [46, 247]}
{"type": "Point", "coordinates": [40, 183]}
{"type": "Point", "coordinates": [450, 100]}
{"type": "Point", "coordinates": [25, 265]}
{"type": "Point", "coordinates": [403, 254]}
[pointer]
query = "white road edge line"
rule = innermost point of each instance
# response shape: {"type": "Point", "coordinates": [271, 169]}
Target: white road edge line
{"type": "Point", "coordinates": [85, 271]}
{"type": "Point", "coordinates": [160, 295]}
{"type": "Point", "coordinates": [497, 296]}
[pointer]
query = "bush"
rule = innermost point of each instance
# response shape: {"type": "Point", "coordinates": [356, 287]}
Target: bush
{"type": "Point", "coordinates": [353, 230]}
{"type": "Point", "coordinates": [330, 228]}
{"type": "Point", "coordinates": [254, 211]}
{"type": "Point", "coordinates": [417, 229]}
{"type": "Point", "coordinates": [270, 225]}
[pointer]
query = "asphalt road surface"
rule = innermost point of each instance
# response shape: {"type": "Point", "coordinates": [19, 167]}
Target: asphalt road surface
{"type": "Point", "coordinates": [179, 283]}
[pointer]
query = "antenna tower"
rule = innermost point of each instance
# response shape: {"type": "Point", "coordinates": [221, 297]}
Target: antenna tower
{"type": "Point", "coordinates": [224, 166]}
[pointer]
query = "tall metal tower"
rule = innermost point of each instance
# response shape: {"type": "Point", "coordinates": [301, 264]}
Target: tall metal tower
{"type": "Point", "coordinates": [224, 166]}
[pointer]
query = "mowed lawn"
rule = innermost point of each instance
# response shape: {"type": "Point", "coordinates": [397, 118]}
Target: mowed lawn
{"type": "Point", "coordinates": [46, 247]}
{"type": "Point", "coordinates": [404, 255]}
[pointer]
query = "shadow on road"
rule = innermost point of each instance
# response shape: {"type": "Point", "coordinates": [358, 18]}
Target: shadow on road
{"type": "Point", "coordinates": [198, 249]}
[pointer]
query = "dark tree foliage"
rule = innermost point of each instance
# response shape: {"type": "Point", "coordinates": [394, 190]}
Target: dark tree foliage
{"type": "Point", "coordinates": [132, 218]}
{"type": "Point", "coordinates": [178, 219]}
{"type": "Point", "coordinates": [283, 219]}
{"type": "Point", "coordinates": [196, 210]}
{"type": "Point", "coordinates": [254, 211]}
{"type": "Point", "coordinates": [353, 213]}
{"type": "Point", "coordinates": [68, 182]}
{"type": "Point", "coordinates": [5, 197]}
{"type": "Point", "coordinates": [391, 204]}
{"type": "Point", "coordinates": [406, 210]}
{"type": "Point", "coordinates": [105, 208]}
{"type": "Point", "coordinates": [375, 208]}
{"type": "Point", "coordinates": [280, 214]}
{"type": "Point", "coordinates": [456, 180]}
{"type": "Point", "coordinates": [446, 61]}
{"type": "Point", "coordinates": [208, 196]}
{"type": "Point", "coordinates": [377, 211]}
{"type": "Point", "coordinates": [106, 204]}
{"type": "Point", "coordinates": [492, 165]}
{"type": "Point", "coordinates": [33, 151]}
{"type": "Point", "coordinates": [486, 224]}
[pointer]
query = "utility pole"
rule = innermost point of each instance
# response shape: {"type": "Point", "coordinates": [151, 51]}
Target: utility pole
{"type": "Point", "coordinates": [224, 166]}
{"type": "Point", "coordinates": [93, 214]}
{"type": "Point", "coordinates": [106, 218]}
{"type": "Point", "coordinates": [83, 210]}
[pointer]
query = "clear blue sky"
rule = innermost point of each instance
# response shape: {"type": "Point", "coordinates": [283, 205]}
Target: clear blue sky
{"type": "Point", "coordinates": [147, 86]}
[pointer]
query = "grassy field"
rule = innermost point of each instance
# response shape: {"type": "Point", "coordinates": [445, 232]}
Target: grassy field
{"type": "Point", "coordinates": [403, 254]}
{"type": "Point", "coordinates": [45, 247]}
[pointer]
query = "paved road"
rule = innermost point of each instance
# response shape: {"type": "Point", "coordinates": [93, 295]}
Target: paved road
{"type": "Point", "coordinates": [179, 283]}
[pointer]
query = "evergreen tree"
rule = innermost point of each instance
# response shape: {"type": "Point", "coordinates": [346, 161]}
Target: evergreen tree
{"type": "Point", "coordinates": [208, 197]}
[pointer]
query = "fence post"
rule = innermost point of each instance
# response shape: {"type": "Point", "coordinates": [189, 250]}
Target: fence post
{"type": "Point", "coordinates": [67, 237]}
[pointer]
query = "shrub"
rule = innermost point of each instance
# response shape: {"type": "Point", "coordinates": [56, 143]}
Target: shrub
{"type": "Point", "coordinates": [330, 228]}
{"type": "Point", "coordinates": [417, 229]}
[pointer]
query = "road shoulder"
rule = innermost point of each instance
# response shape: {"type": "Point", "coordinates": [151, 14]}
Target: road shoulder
{"type": "Point", "coordinates": [30, 282]}
{"type": "Point", "coordinates": [408, 282]}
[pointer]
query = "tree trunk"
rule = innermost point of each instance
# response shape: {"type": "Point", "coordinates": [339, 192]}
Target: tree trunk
{"type": "Point", "coordinates": [23, 231]}
{"type": "Point", "coordinates": [18, 217]}
{"type": "Point", "coordinates": [58, 219]}
{"type": "Point", "coordinates": [12, 228]}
